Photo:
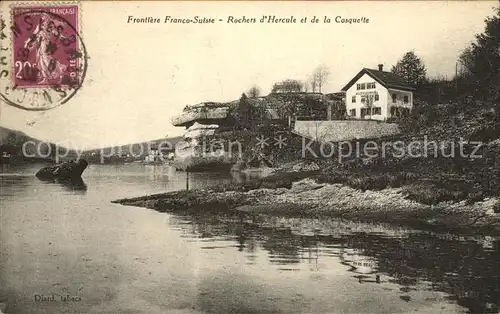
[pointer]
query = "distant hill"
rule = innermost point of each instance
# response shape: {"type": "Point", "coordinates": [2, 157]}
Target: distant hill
{"type": "Point", "coordinates": [12, 141]}
{"type": "Point", "coordinates": [10, 137]}
{"type": "Point", "coordinates": [137, 149]}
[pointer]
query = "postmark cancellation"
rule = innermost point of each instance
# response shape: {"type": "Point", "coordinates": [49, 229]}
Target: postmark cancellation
{"type": "Point", "coordinates": [43, 59]}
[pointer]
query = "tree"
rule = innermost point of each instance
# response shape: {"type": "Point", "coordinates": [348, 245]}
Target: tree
{"type": "Point", "coordinates": [254, 92]}
{"type": "Point", "coordinates": [305, 88]}
{"type": "Point", "coordinates": [312, 107]}
{"type": "Point", "coordinates": [244, 111]}
{"type": "Point", "coordinates": [313, 83]}
{"type": "Point", "coordinates": [368, 100]}
{"type": "Point", "coordinates": [319, 77]}
{"type": "Point", "coordinates": [466, 60]}
{"type": "Point", "coordinates": [411, 68]}
{"type": "Point", "coordinates": [482, 59]}
{"type": "Point", "coordinates": [286, 104]}
{"type": "Point", "coordinates": [288, 95]}
{"type": "Point", "coordinates": [288, 86]}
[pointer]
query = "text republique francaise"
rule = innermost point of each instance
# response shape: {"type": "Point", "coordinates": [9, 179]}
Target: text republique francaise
{"type": "Point", "coordinates": [269, 19]}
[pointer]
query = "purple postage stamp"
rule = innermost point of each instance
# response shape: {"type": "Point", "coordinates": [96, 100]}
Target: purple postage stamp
{"type": "Point", "coordinates": [47, 56]}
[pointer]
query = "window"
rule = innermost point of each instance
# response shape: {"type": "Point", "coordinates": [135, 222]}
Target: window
{"type": "Point", "coordinates": [370, 85]}
{"type": "Point", "coordinates": [376, 110]}
{"type": "Point", "coordinates": [363, 99]}
{"type": "Point", "coordinates": [353, 99]}
{"type": "Point", "coordinates": [358, 86]}
{"type": "Point", "coordinates": [376, 97]}
{"type": "Point", "coordinates": [352, 112]}
{"type": "Point", "coordinates": [394, 97]}
{"type": "Point", "coordinates": [405, 99]}
{"type": "Point", "coordinates": [362, 86]}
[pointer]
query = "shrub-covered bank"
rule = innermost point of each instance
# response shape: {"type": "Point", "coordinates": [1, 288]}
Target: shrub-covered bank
{"type": "Point", "coordinates": [451, 153]}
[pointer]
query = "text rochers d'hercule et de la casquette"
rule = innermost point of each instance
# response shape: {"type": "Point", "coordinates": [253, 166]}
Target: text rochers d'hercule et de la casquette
{"type": "Point", "coordinates": [270, 19]}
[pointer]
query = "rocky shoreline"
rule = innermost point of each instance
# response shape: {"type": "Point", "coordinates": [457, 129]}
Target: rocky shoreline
{"type": "Point", "coordinates": [306, 198]}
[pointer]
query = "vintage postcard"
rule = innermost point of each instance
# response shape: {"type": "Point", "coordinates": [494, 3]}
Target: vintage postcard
{"type": "Point", "coordinates": [249, 157]}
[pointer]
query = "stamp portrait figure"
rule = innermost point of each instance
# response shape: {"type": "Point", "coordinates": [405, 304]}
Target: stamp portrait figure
{"type": "Point", "coordinates": [49, 68]}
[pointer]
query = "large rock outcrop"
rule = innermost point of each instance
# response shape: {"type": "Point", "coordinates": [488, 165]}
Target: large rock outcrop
{"type": "Point", "coordinates": [66, 170]}
{"type": "Point", "coordinates": [195, 153]}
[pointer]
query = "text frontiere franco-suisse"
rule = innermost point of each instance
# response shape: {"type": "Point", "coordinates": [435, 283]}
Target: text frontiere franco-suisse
{"type": "Point", "coordinates": [236, 20]}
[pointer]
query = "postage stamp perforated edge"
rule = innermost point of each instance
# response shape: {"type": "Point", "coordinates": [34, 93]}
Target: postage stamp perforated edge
{"type": "Point", "coordinates": [37, 4]}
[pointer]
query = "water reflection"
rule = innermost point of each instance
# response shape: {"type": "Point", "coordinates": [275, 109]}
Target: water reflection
{"type": "Point", "coordinates": [223, 293]}
{"type": "Point", "coordinates": [73, 184]}
{"type": "Point", "coordinates": [133, 260]}
{"type": "Point", "coordinates": [466, 269]}
{"type": "Point", "coordinates": [69, 233]}
{"type": "Point", "coordinates": [12, 184]}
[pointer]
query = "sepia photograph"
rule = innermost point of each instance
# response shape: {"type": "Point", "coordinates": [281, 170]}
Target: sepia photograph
{"type": "Point", "coordinates": [249, 157]}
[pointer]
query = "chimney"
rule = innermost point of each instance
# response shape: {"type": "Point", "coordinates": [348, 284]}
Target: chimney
{"type": "Point", "coordinates": [380, 67]}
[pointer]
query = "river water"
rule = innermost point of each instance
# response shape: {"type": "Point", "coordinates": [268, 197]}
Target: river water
{"type": "Point", "coordinates": [67, 249]}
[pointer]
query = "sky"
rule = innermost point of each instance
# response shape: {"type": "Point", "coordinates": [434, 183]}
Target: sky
{"type": "Point", "coordinates": [140, 75]}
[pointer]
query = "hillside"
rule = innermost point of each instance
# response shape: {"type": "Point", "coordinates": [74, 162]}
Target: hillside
{"type": "Point", "coordinates": [446, 152]}
{"type": "Point", "coordinates": [451, 152]}
{"type": "Point", "coordinates": [12, 142]}
{"type": "Point", "coordinates": [11, 137]}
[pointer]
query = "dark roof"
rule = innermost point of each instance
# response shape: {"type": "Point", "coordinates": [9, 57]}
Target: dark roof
{"type": "Point", "coordinates": [387, 79]}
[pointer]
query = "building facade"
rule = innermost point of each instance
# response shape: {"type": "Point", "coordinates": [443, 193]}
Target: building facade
{"type": "Point", "coordinates": [378, 95]}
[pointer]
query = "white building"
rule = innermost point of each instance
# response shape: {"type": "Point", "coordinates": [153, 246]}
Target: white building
{"type": "Point", "coordinates": [376, 94]}
{"type": "Point", "coordinates": [153, 155]}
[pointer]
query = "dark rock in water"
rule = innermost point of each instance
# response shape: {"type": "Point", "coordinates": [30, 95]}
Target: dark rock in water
{"type": "Point", "coordinates": [67, 170]}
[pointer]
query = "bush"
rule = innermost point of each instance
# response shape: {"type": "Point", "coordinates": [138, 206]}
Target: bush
{"type": "Point", "coordinates": [430, 193]}
{"type": "Point", "coordinates": [367, 181]}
